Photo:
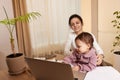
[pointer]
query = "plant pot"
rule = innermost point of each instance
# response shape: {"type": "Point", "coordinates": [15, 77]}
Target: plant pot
{"type": "Point", "coordinates": [117, 60]}
{"type": "Point", "coordinates": [16, 63]}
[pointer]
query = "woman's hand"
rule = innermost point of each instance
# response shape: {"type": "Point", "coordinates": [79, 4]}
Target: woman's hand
{"type": "Point", "coordinates": [75, 68]}
{"type": "Point", "coordinates": [99, 59]}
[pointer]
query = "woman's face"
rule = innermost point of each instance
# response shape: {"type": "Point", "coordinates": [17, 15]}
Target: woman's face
{"type": "Point", "coordinates": [76, 25]}
{"type": "Point", "coordinates": [82, 47]}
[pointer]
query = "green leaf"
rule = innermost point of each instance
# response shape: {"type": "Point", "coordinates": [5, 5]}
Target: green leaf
{"type": "Point", "coordinates": [28, 17]}
{"type": "Point", "coordinates": [117, 17]}
{"type": "Point", "coordinates": [115, 13]}
{"type": "Point", "coordinates": [24, 18]}
{"type": "Point", "coordinates": [114, 21]}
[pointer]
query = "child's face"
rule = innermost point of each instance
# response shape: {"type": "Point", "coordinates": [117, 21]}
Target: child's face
{"type": "Point", "coordinates": [82, 47]}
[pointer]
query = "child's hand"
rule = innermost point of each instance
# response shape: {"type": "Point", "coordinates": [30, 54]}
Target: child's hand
{"type": "Point", "coordinates": [75, 68]}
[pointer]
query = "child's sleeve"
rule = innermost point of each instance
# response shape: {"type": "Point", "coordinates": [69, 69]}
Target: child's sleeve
{"type": "Point", "coordinates": [90, 66]}
{"type": "Point", "coordinates": [70, 59]}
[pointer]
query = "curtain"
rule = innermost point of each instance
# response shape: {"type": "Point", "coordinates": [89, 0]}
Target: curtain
{"type": "Point", "coordinates": [22, 30]}
{"type": "Point", "coordinates": [48, 33]}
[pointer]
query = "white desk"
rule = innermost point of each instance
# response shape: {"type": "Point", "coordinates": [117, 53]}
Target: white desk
{"type": "Point", "coordinates": [103, 73]}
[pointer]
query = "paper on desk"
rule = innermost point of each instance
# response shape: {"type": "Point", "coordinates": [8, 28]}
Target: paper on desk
{"type": "Point", "coordinates": [103, 73]}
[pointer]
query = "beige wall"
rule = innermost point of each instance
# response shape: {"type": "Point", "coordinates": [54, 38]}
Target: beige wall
{"type": "Point", "coordinates": [86, 14]}
{"type": "Point", "coordinates": [4, 35]}
{"type": "Point", "coordinates": [5, 47]}
{"type": "Point", "coordinates": [105, 29]}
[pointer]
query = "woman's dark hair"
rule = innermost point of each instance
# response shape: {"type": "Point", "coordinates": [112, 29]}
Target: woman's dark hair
{"type": "Point", "coordinates": [75, 16]}
{"type": "Point", "coordinates": [86, 37]}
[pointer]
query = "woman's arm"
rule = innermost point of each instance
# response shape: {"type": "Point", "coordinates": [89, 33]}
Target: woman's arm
{"type": "Point", "coordinates": [99, 51]}
{"type": "Point", "coordinates": [68, 43]}
{"type": "Point", "coordinates": [96, 46]}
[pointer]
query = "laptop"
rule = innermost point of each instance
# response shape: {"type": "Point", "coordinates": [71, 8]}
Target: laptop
{"type": "Point", "coordinates": [46, 70]}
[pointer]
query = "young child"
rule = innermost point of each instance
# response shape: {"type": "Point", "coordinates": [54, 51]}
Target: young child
{"type": "Point", "coordinates": [83, 58]}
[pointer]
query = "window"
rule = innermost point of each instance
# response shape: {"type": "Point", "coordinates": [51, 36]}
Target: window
{"type": "Point", "coordinates": [49, 32]}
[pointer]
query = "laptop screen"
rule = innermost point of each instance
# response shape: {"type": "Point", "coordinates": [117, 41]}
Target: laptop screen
{"type": "Point", "coordinates": [46, 70]}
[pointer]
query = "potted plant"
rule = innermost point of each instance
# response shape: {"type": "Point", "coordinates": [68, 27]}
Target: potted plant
{"type": "Point", "coordinates": [15, 61]}
{"type": "Point", "coordinates": [116, 43]}
{"type": "Point", "coordinates": [116, 25]}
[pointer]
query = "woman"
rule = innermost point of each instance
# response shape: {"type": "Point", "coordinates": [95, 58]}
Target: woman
{"type": "Point", "coordinates": [76, 24]}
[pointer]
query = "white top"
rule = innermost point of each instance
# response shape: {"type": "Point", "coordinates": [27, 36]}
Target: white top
{"type": "Point", "coordinates": [70, 44]}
